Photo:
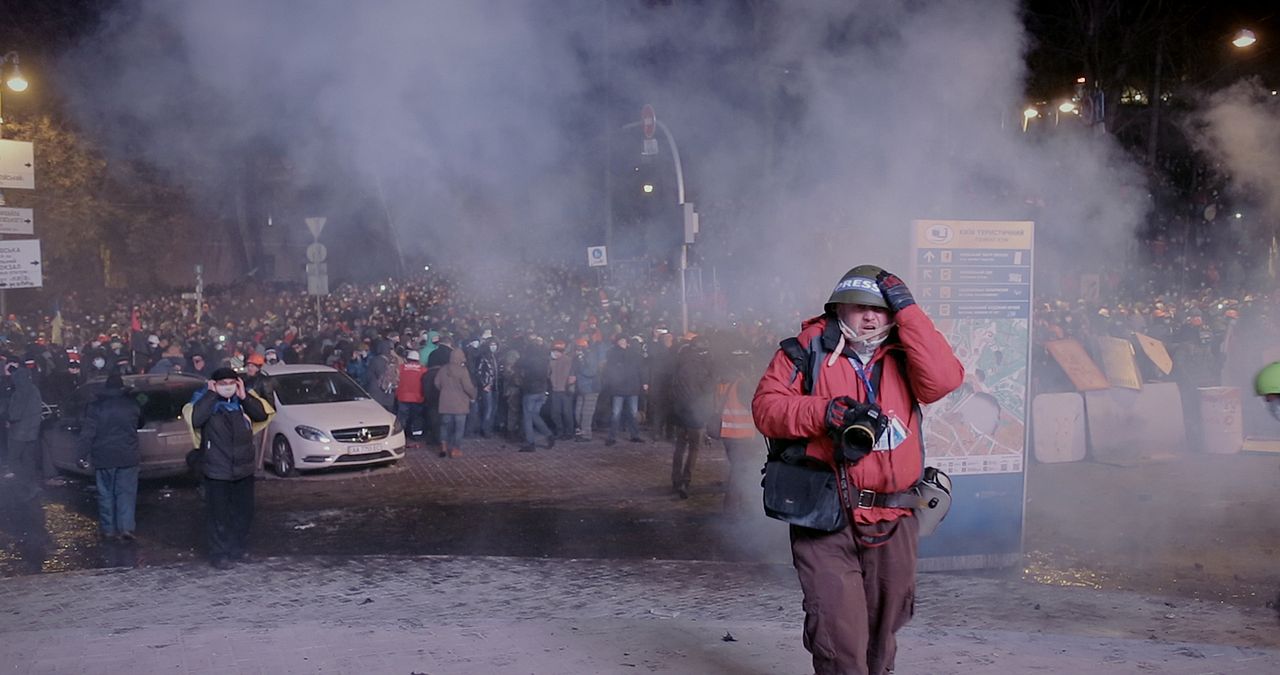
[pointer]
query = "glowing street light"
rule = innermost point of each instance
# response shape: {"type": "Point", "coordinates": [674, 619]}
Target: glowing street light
{"type": "Point", "coordinates": [16, 81]}
{"type": "Point", "coordinates": [648, 188]}
{"type": "Point", "coordinates": [1027, 115]}
{"type": "Point", "coordinates": [1244, 38]}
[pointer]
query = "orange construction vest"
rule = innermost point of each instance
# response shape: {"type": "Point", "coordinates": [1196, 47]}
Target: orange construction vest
{"type": "Point", "coordinates": [735, 420]}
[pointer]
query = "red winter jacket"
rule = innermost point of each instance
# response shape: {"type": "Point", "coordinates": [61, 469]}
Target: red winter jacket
{"type": "Point", "coordinates": [933, 371]}
{"type": "Point", "coordinates": [410, 388]}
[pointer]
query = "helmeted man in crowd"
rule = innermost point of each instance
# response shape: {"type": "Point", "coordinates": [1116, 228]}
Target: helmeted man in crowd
{"type": "Point", "coordinates": [253, 365]}
{"type": "Point", "coordinates": [872, 348]}
{"type": "Point", "coordinates": [409, 397]}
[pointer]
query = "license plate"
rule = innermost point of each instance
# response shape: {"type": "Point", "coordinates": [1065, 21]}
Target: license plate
{"type": "Point", "coordinates": [363, 449]}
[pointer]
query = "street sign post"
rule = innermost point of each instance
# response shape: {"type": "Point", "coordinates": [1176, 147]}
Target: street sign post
{"type": "Point", "coordinates": [17, 165]}
{"type": "Point", "coordinates": [20, 265]}
{"type": "Point", "coordinates": [17, 221]}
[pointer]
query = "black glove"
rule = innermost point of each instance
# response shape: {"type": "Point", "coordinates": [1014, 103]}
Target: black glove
{"type": "Point", "coordinates": [837, 409]}
{"type": "Point", "coordinates": [895, 292]}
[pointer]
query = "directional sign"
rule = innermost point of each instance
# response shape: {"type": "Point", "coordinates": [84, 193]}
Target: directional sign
{"type": "Point", "coordinates": [597, 256]}
{"type": "Point", "coordinates": [17, 165]}
{"type": "Point", "coordinates": [17, 221]}
{"type": "Point", "coordinates": [20, 264]}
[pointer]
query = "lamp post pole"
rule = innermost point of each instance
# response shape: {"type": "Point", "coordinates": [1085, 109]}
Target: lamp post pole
{"type": "Point", "coordinates": [684, 247]}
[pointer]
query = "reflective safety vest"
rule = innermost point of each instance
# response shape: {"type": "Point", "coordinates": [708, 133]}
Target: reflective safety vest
{"type": "Point", "coordinates": [735, 419]}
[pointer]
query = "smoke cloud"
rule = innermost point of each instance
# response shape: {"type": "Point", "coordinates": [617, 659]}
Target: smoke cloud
{"type": "Point", "coordinates": [1240, 127]}
{"type": "Point", "coordinates": [813, 130]}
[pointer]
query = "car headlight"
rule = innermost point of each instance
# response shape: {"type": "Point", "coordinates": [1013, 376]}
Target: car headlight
{"type": "Point", "coordinates": [395, 427]}
{"type": "Point", "coordinates": [312, 434]}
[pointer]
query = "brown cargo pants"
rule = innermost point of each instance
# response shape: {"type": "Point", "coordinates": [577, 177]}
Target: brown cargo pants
{"type": "Point", "coordinates": [855, 596]}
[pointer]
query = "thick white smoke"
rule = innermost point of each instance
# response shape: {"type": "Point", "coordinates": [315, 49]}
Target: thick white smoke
{"type": "Point", "coordinates": [1240, 127]}
{"type": "Point", "coordinates": [812, 129]}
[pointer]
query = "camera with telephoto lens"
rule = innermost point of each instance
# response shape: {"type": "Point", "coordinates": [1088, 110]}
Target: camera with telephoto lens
{"type": "Point", "coordinates": [863, 424]}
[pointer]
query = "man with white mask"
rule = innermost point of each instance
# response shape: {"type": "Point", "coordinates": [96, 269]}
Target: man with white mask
{"type": "Point", "coordinates": [851, 404]}
{"type": "Point", "coordinates": [224, 414]}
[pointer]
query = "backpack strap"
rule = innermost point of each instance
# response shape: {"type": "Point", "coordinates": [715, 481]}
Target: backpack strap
{"type": "Point", "coordinates": [806, 362]}
{"type": "Point", "coordinates": [799, 360]}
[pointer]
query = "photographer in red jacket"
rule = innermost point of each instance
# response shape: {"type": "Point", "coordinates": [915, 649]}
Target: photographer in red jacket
{"type": "Point", "coordinates": [876, 355]}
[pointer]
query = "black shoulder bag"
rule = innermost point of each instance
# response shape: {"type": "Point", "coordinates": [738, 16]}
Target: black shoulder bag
{"type": "Point", "coordinates": [797, 489]}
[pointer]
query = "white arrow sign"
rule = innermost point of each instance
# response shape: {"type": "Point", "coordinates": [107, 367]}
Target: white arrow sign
{"type": "Point", "coordinates": [17, 165]}
{"type": "Point", "coordinates": [17, 221]}
{"type": "Point", "coordinates": [20, 264]}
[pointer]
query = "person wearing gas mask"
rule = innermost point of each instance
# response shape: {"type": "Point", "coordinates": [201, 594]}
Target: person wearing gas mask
{"type": "Point", "coordinates": [224, 413]}
{"type": "Point", "coordinates": [871, 358]}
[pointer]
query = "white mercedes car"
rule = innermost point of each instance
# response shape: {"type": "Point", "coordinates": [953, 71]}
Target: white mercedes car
{"type": "Point", "coordinates": [324, 419]}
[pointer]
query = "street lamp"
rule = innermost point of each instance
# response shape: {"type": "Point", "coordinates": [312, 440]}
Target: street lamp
{"type": "Point", "coordinates": [1028, 115]}
{"type": "Point", "coordinates": [16, 81]}
{"type": "Point", "coordinates": [1244, 38]}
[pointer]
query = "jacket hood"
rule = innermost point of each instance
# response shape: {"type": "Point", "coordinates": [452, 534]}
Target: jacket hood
{"type": "Point", "coordinates": [457, 357]}
{"type": "Point", "coordinates": [22, 378]}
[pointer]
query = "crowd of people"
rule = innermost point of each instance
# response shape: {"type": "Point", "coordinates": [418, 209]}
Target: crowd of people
{"type": "Point", "coordinates": [527, 356]}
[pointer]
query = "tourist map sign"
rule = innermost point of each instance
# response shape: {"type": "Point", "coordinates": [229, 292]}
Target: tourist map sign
{"type": "Point", "coordinates": [973, 278]}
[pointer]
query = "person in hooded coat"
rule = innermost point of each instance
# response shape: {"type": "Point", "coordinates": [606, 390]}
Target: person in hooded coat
{"type": "Point", "coordinates": [24, 430]}
{"type": "Point", "coordinates": [109, 441]}
{"type": "Point", "coordinates": [456, 392]}
{"type": "Point", "coordinates": [691, 389]}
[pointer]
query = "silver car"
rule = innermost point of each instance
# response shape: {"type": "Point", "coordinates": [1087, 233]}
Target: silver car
{"type": "Point", "coordinates": [164, 440]}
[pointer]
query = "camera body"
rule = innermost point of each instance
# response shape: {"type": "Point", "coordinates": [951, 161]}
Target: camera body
{"type": "Point", "coordinates": [863, 425]}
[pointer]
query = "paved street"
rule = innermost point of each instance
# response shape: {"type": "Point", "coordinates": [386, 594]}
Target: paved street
{"type": "Point", "coordinates": [579, 560]}
{"type": "Point", "coordinates": [449, 614]}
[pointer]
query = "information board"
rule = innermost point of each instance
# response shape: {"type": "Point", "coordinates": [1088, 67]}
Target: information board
{"type": "Point", "coordinates": [974, 279]}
